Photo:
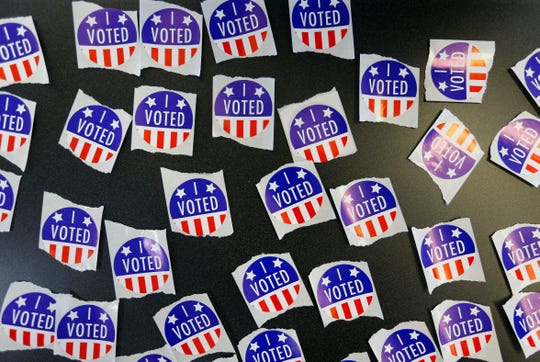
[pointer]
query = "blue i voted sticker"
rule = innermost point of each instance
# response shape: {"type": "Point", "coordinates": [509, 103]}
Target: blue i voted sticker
{"type": "Point", "coordinates": [519, 146]}
{"type": "Point", "coordinates": [344, 292]}
{"type": "Point", "coordinates": [154, 357]}
{"type": "Point", "coordinates": [19, 52]}
{"type": "Point", "coordinates": [192, 328]}
{"type": "Point", "coordinates": [271, 284]}
{"type": "Point", "coordinates": [447, 252]}
{"type": "Point", "coordinates": [526, 321]}
{"type": "Point", "coordinates": [29, 319]}
{"type": "Point", "coordinates": [107, 37]}
{"type": "Point", "coordinates": [319, 133]}
{"type": "Point", "coordinates": [94, 134]}
{"type": "Point", "coordinates": [532, 75]}
{"type": "Point", "coordinates": [321, 24]}
{"type": "Point", "coordinates": [239, 27]}
{"type": "Point", "coordinates": [198, 206]}
{"type": "Point", "coordinates": [7, 198]}
{"type": "Point", "coordinates": [141, 265]}
{"type": "Point", "coordinates": [71, 235]}
{"type": "Point", "coordinates": [293, 195]}
{"type": "Point", "coordinates": [86, 332]}
{"type": "Point", "coordinates": [408, 345]}
{"type": "Point", "coordinates": [15, 123]}
{"type": "Point", "coordinates": [171, 37]}
{"type": "Point", "coordinates": [465, 329]}
{"type": "Point", "coordinates": [243, 108]}
{"type": "Point", "coordinates": [273, 346]}
{"type": "Point", "coordinates": [164, 120]}
{"type": "Point", "coordinates": [520, 253]}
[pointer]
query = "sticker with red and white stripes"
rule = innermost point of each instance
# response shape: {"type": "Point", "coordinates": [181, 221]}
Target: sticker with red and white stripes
{"type": "Point", "coordinates": [521, 311]}
{"type": "Point", "coordinates": [15, 123]}
{"type": "Point", "coordinates": [8, 194]}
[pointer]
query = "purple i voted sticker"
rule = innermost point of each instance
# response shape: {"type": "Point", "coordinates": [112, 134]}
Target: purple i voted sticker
{"type": "Point", "coordinates": [86, 332]}
{"type": "Point", "coordinates": [408, 345]}
{"type": "Point", "coordinates": [293, 195]}
{"type": "Point", "coordinates": [243, 108]}
{"type": "Point", "coordinates": [525, 319]}
{"type": "Point", "coordinates": [107, 37]}
{"type": "Point", "coordinates": [319, 133]}
{"type": "Point", "coordinates": [15, 123]}
{"type": "Point", "coordinates": [520, 254]}
{"type": "Point", "coordinates": [164, 119]}
{"type": "Point", "coordinates": [272, 345]}
{"type": "Point", "coordinates": [532, 75]}
{"type": "Point", "coordinates": [7, 198]}
{"type": "Point", "coordinates": [29, 319]}
{"type": "Point", "coordinates": [171, 37]}
{"type": "Point", "coordinates": [20, 52]}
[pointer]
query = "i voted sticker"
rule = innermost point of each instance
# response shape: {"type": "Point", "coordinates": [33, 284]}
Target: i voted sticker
{"type": "Point", "coordinates": [15, 123]}
{"type": "Point", "coordinates": [466, 329]}
{"type": "Point", "coordinates": [528, 73]}
{"type": "Point", "coordinates": [522, 312]}
{"type": "Point", "coordinates": [517, 148]}
{"type": "Point", "coordinates": [8, 196]}
{"type": "Point", "coordinates": [21, 57]}
{"type": "Point", "coordinates": [457, 71]}
{"type": "Point", "coordinates": [276, 345]}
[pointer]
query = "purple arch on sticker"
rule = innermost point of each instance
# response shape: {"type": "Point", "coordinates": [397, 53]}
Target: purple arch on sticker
{"type": "Point", "coordinates": [107, 27]}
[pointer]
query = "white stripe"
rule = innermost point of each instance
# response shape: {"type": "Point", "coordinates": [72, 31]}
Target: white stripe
{"type": "Point", "coordinates": [20, 67]}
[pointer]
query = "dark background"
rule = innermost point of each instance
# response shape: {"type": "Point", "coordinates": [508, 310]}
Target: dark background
{"type": "Point", "coordinates": [133, 195]}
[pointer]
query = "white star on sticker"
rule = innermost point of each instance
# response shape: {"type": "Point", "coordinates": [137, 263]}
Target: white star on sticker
{"type": "Point", "coordinates": [277, 263]}
{"type": "Point", "coordinates": [301, 174]}
{"type": "Point", "coordinates": [91, 20]}
{"type": "Point", "coordinates": [456, 233]}
{"type": "Point", "coordinates": [87, 112]}
{"type": "Point", "coordinates": [428, 155]}
{"type": "Point", "coordinates": [325, 281]}
{"type": "Point", "coordinates": [198, 307]}
{"type": "Point", "coordinates": [503, 151]}
{"type": "Point", "coordinates": [327, 112]}
{"type": "Point", "coordinates": [298, 122]}
{"type": "Point", "coordinates": [375, 188]}
{"type": "Point", "coordinates": [282, 337]}
{"type": "Point", "coordinates": [428, 241]}
{"type": "Point", "coordinates": [442, 86]}
{"type": "Point", "coordinates": [73, 315]}
{"type": "Point", "coordinates": [348, 198]}
{"type": "Point", "coordinates": [172, 319]}
{"type": "Point", "coordinates": [155, 248]}
{"type": "Point", "coordinates": [273, 185]}
{"type": "Point", "coordinates": [403, 72]}
{"type": "Point", "coordinates": [20, 302]}
{"type": "Point", "coordinates": [187, 20]}
{"type": "Point", "coordinates": [475, 311]}
{"type": "Point", "coordinates": [210, 188]}
{"type": "Point", "coordinates": [125, 250]}
{"type": "Point", "coordinates": [518, 125]}
{"type": "Point", "coordinates": [536, 234]}
{"type": "Point", "coordinates": [334, 3]}
{"type": "Point", "coordinates": [150, 102]}
{"type": "Point", "coordinates": [21, 30]}
{"type": "Point", "coordinates": [388, 348]}
{"type": "Point", "coordinates": [253, 346]}
{"type": "Point", "coordinates": [250, 275]}
{"type": "Point", "coordinates": [122, 19]}
{"type": "Point", "coordinates": [451, 172]}
{"type": "Point", "coordinates": [374, 71]}
{"type": "Point", "coordinates": [156, 19]}
{"type": "Point", "coordinates": [20, 108]}
{"type": "Point", "coordinates": [3, 184]}
{"type": "Point", "coordinates": [529, 72]}
{"type": "Point", "coordinates": [103, 317]}
{"type": "Point", "coordinates": [443, 55]}
{"type": "Point", "coordinates": [87, 221]}
{"type": "Point", "coordinates": [414, 335]}
{"type": "Point", "coordinates": [180, 193]}
{"type": "Point", "coordinates": [249, 6]}
{"type": "Point", "coordinates": [354, 272]}
{"type": "Point", "coordinates": [57, 217]}
{"type": "Point", "coordinates": [303, 4]}
{"type": "Point", "coordinates": [162, 359]}
{"type": "Point", "coordinates": [447, 319]}
{"type": "Point", "coordinates": [519, 312]}
{"type": "Point", "coordinates": [259, 91]}
{"type": "Point", "coordinates": [228, 91]}
{"type": "Point", "coordinates": [115, 124]}
{"type": "Point", "coordinates": [220, 14]}
{"type": "Point", "coordinates": [52, 307]}
{"type": "Point", "coordinates": [181, 103]}
{"type": "Point", "coordinates": [508, 244]}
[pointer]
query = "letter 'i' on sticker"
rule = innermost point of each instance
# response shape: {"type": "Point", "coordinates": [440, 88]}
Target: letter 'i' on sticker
{"type": "Point", "coordinates": [192, 328]}
{"type": "Point", "coordinates": [271, 345]}
{"type": "Point", "coordinates": [516, 148]}
{"type": "Point", "coordinates": [162, 354]}
{"type": "Point", "coordinates": [164, 121]}
{"type": "Point", "coordinates": [243, 110]}
{"type": "Point", "coordinates": [317, 129]}
{"type": "Point", "coordinates": [322, 26]}
{"type": "Point", "coordinates": [21, 56]}
{"type": "Point", "coordinates": [522, 310]}
{"type": "Point", "coordinates": [70, 232]}
{"type": "Point", "coordinates": [466, 329]}
{"type": "Point", "coordinates": [197, 203]}
{"type": "Point", "coordinates": [294, 197]}
{"type": "Point", "coordinates": [448, 152]}
{"type": "Point", "coordinates": [388, 91]}
{"type": "Point", "coordinates": [106, 38]}
{"type": "Point", "coordinates": [528, 73]}
{"type": "Point", "coordinates": [238, 29]}
{"type": "Point", "coordinates": [519, 255]}
{"type": "Point", "coordinates": [94, 133]}
{"type": "Point", "coordinates": [28, 317]}
{"type": "Point", "coordinates": [408, 341]}
{"type": "Point", "coordinates": [271, 285]}
{"type": "Point", "coordinates": [368, 210]}
{"type": "Point", "coordinates": [457, 70]}
{"type": "Point", "coordinates": [86, 330]}
{"type": "Point", "coordinates": [344, 291]}
{"type": "Point", "coordinates": [9, 187]}
{"type": "Point", "coordinates": [448, 253]}
{"type": "Point", "coordinates": [171, 36]}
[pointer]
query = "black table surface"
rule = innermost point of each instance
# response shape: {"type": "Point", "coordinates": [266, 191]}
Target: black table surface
{"type": "Point", "coordinates": [133, 195]}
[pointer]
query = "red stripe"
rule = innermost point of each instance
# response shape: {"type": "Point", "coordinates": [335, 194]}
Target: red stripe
{"type": "Point", "coordinates": [384, 108]}
{"type": "Point", "coordinates": [535, 157]}
{"type": "Point", "coordinates": [27, 68]}
{"type": "Point", "coordinates": [453, 349]}
{"type": "Point", "coordinates": [97, 155]}
{"type": "Point", "coordinates": [69, 348]}
{"type": "Point", "coordinates": [107, 57]}
{"type": "Point", "coordinates": [155, 54]}
{"type": "Point", "coordinates": [334, 313]}
{"type": "Point", "coordinates": [519, 275]}
{"type": "Point", "coordinates": [85, 150]}
{"type": "Point", "coordinates": [15, 72]}
{"type": "Point", "coordinates": [78, 255]}
{"type": "Point", "coordinates": [478, 76]}
{"type": "Point", "coordinates": [530, 339]}
{"type": "Point", "coordinates": [253, 43]}
{"type": "Point", "coordinates": [252, 128]}
{"type": "Point", "coordinates": [240, 47]}
{"type": "Point", "coordinates": [193, 52]}
{"type": "Point", "coordinates": [209, 340]}
{"type": "Point", "coordinates": [310, 209]}
{"type": "Point", "coordinates": [346, 310]}
{"type": "Point", "coordinates": [459, 267]}
{"type": "Point", "coordinates": [2, 73]}
{"type": "Point", "coordinates": [147, 135]}
{"type": "Point", "coordinates": [211, 224]}
{"type": "Point", "coordinates": [307, 153]}
{"type": "Point", "coordinates": [297, 288]}
{"type": "Point", "coordinates": [82, 350]}
{"type": "Point", "coordinates": [52, 250]}
{"type": "Point", "coordinates": [198, 345]}
{"type": "Point", "coordinates": [275, 301]}
{"type": "Point", "coordinates": [186, 349]}
{"type": "Point", "coordinates": [476, 344]}
{"type": "Point", "coordinates": [160, 136]}
{"type": "Point", "coordinates": [23, 141]}
{"type": "Point", "coordinates": [26, 338]}
{"type": "Point", "coordinates": [305, 37]}
{"type": "Point", "coordinates": [65, 254]}
{"type": "Point", "coordinates": [447, 271]}
{"type": "Point", "coordinates": [13, 334]}
{"type": "Point", "coordinates": [155, 282]}
{"type": "Point", "coordinates": [382, 222]}
{"type": "Point", "coordinates": [227, 126]}
{"type": "Point", "coordinates": [40, 339]}
{"type": "Point", "coordinates": [185, 226]}
{"type": "Point", "coordinates": [531, 169]}
{"type": "Point", "coordinates": [397, 107]}
{"type": "Point", "coordinates": [343, 32]}
{"type": "Point", "coordinates": [436, 274]}
{"type": "Point", "coordinates": [131, 50]}
{"type": "Point", "coordinates": [334, 149]}
{"type": "Point", "coordinates": [298, 214]}
{"type": "Point", "coordinates": [168, 57]}
{"type": "Point", "coordinates": [240, 128]}
{"type": "Point", "coordinates": [142, 284]}
{"type": "Point", "coordinates": [198, 227]}
{"type": "Point", "coordinates": [475, 88]}
{"type": "Point", "coordinates": [11, 143]}
{"type": "Point", "coordinates": [288, 296]}
{"type": "Point", "coordinates": [181, 56]}
{"type": "Point", "coordinates": [92, 54]}
{"type": "Point", "coordinates": [4, 216]}
{"type": "Point", "coordinates": [318, 40]}
{"type": "Point", "coordinates": [120, 55]}
{"type": "Point", "coordinates": [227, 47]}
{"type": "Point", "coordinates": [285, 218]}
{"type": "Point", "coordinates": [359, 306]}
{"type": "Point", "coordinates": [321, 153]}
{"type": "Point", "coordinates": [331, 38]}
{"type": "Point", "coordinates": [371, 228]}
{"type": "Point", "coordinates": [96, 353]}
{"type": "Point", "coordinates": [174, 139]}
{"type": "Point", "coordinates": [464, 348]}
{"type": "Point", "coordinates": [264, 306]}
{"type": "Point", "coordinates": [129, 283]}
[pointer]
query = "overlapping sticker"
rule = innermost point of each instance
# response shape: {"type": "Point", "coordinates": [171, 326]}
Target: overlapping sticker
{"type": "Point", "coordinates": [271, 285]}
{"type": "Point", "coordinates": [163, 121]}
{"type": "Point", "coordinates": [238, 29]}
{"type": "Point", "coordinates": [28, 317]}
{"type": "Point", "coordinates": [368, 210]}
{"type": "Point", "coordinates": [197, 203]}
{"type": "Point", "coordinates": [16, 124]}
{"type": "Point", "coordinates": [406, 342]}
{"type": "Point", "coordinates": [519, 254]}
{"type": "Point", "coordinates": [140, 261]}
{"type": "Point", "coordinates": [243, 110]}
{"type": "Point", "coordinates": [94, 133]}
{"type": "Point", "coordinates": [192, 328]}
{"type": "Point", "coordinates": [516, 148]}
{"type": "Point", "coordinates": [357, 357]}
{"type": "Point", "coordinates": [294, 197]}
{"type": "Point", "coordinates": [106, 38]}
{"type": "Point", "coordinates": [9, 187]}
{"type": "Point", "coordinates": [448, 253]}
{"type": "Point", "coordinates": [317, 128]}
{"type": "Point", "coordinates": [344, 291]}
{"type": "Point", "coordinates": [86, 330]}
{"type": "Point", "coordinates": [457, 70]}
{"type": "Point", "coordinates": [388, 91]}
{"type": "Point", "coordinates": [70, 232]}
{"type": "Point", "coordinates": [276, 345]}
{"type": "Point", "coordinates": [21, 56]}
{"type": "Point", "coordinates": [322, 26]}
{"type": "Point", "coordinates": [466, 329]}
{"type": "Point", "coordinates": [448, 152]}
{"type": "Point", "coordinates": [528, 73]}
{"type": "Point", "coordinates": [163, 354]}
{"type": "Point", "coordinates": [522, 311]}
{"type": "Point", "coordinates": [171, 36]}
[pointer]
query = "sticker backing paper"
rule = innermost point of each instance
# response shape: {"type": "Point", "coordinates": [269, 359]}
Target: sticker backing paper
{"type": "Point", "coordinates": [9, 187]}
{"type": "Point", "coordinates": [522, 311]}
{"type": "Point", "coordinates": [279, 345]}
{"type": "Point", "coordinates": [528, 73]}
